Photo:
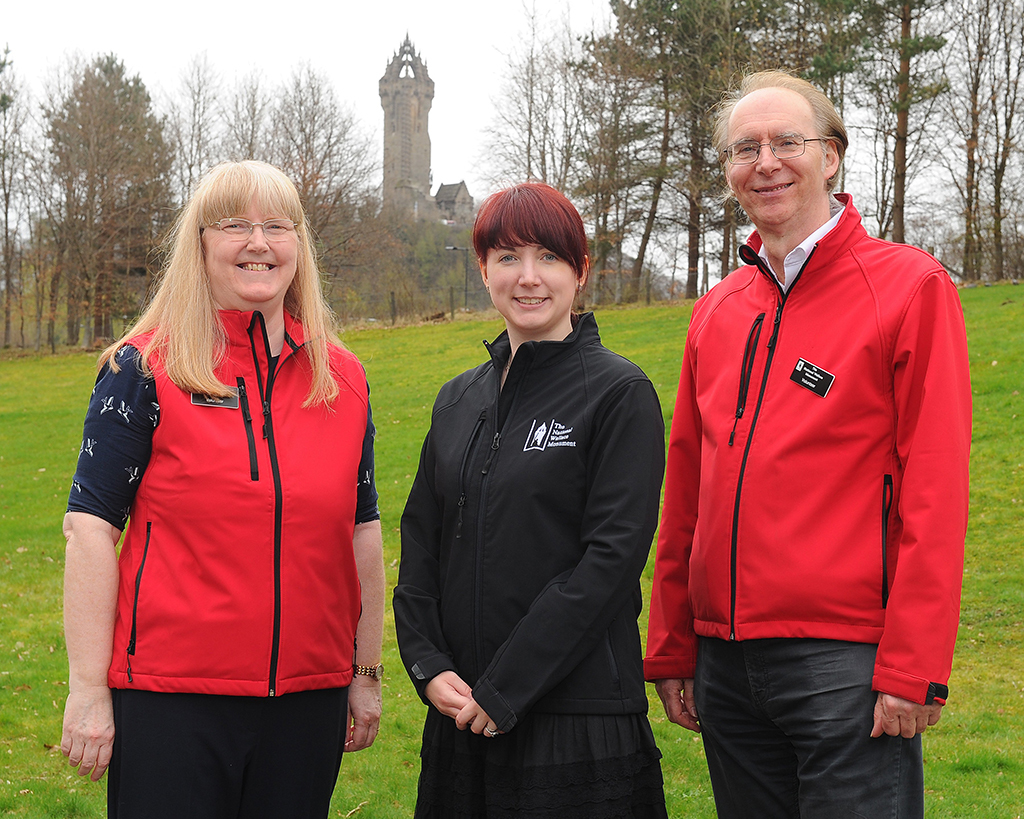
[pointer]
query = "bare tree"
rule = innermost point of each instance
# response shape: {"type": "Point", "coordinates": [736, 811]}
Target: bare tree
{"type": "Point", "coordinates": [319, 143]}
{"type": "Point", "coordinates": [615, 151]}
{"type": "Point", "coordinates": [537, 127]}
{"type": "Point", "coordinates": [13, 117]}
{"type": "Point", "coordinates": [110, 163]}
{"type": "Point", "coordinates": [1007, 122]}
{"type": "Point", "coordinates": [247, 127]}
{"type": "Point", "coordinates": [192, 124]}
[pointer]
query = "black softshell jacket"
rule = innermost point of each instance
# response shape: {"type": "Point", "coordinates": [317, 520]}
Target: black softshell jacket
{"type": "Point", "coordinates": [527, 528]}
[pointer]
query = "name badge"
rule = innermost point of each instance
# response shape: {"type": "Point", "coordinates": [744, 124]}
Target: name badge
{"type": "Point", "coordinates": [231, 402]}
{"type": "Point", "coordinates": [811, 377]}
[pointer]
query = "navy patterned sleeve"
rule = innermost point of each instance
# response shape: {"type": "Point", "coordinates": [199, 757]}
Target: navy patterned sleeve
{"type": "Point", "coordinates": [117, 441]}
{"type": "Point", "coordinates": [366, 491]}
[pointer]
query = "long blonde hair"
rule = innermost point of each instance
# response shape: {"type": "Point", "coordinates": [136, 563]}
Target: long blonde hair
{"type": "Point", "coordinates": [182, 315]}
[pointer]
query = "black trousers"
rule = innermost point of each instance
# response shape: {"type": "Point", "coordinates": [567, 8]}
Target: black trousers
{"type": "Point", "coordinates": [787, 733]}
{"type": "Point", "coordinates": [204, 756]}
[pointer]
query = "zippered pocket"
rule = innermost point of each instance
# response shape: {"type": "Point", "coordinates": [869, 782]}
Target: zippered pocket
{"type": "Point", "coordinates": [243, 402]}
{"type": "Point", "coordinates": [746, 371]}
{"type": "Point", "coordinates": [462, 468]}
{"type": "Point", "coordinates": [135, 601]}
{"type": "Point", "coordinates": [887, 498]}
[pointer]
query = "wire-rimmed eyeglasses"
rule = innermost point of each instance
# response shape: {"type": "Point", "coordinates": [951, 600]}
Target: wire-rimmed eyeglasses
{"type": "Point", "coordinates": [746, 151]}
{"type": "Point", "coordinates": [273, 229]}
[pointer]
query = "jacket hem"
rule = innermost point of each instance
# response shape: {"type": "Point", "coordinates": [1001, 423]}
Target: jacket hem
{"type": "Point", "coordinates": [812, 630]}
{"type": "Point", "coordinates": [232, 688]}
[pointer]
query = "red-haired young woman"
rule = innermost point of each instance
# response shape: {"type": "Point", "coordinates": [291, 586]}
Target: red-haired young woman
{"type": "Point", "coordinates": [523, 540]}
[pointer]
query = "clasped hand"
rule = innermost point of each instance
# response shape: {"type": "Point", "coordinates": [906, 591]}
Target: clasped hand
{"type": "Point", "coordinates": [453, 697]}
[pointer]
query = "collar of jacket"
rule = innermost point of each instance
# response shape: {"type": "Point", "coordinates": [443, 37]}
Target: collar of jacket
{"type": "Point", "coordinates": [584, 331]}
{"type": "Point", "coordinates": [243, 327]}
{"type": "Point", "coordinates": [844, 235]}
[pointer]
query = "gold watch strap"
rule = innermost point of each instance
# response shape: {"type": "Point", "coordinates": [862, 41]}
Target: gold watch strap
{"type": "Point", "coordinates": [375, 671]}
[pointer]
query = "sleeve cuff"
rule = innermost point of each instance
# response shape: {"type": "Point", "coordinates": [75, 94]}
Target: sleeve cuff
{"type": "Point", "coordinates": [496, 706]}
{"type": "Point", "coordinates": [669, 668]}
{"type": "Point", "coordinates": [907, 687]}
{"type": "Point", "coordinates": [423, 671]}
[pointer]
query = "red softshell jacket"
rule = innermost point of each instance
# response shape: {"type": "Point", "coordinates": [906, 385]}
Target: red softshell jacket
{"type": "Point", "coordinates": [237, 574]}
{"type": "Point", "coordinates": [817, 478]}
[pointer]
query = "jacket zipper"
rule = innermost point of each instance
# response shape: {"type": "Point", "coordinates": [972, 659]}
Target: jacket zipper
{"type": "Point", "coordinates": [746, 370]}
{"type": "Point", "coordinates": [750, 257]}
{"type": "Point", "coordinates": [243, 399]}
{"type": "Point", "coordinates": [495, 446]}
{"type": "Point", "coordinates": [887, 498]}
{"type": "Point", "coordinates": [478, 566]}
{"type": "Point", "coordinates": [135, 602]}
{"type": "Point", "coordinates": [268, 435]}
{"type": "Point", "coordinates": [462, 469]}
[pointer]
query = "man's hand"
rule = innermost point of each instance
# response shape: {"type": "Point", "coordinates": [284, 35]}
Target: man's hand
{"type": "Point", "coordinates": [677, 697]}
{"type": "Point", "coordinates": [902, 718]}
{"type": "Point", "coordinates": [364, 710]}
{"type": "Point", "coordinates": [88, 735]}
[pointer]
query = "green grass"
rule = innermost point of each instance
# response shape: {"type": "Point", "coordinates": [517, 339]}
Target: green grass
{"type": "Point", "coordinates": [974, 765]}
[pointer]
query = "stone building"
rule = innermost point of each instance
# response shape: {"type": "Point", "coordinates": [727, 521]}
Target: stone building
{"type": "Point", "coordinates": [406, 94]}
{"type": "Point", "coordinates": [454, 203]}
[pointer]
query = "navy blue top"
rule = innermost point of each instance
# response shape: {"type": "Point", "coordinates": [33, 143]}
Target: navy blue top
{"type": "Point", "coordinates": [123, 413]}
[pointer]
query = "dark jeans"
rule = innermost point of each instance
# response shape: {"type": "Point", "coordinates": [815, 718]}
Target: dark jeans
{"type": "Point", "coordinates": [786, 725]}
{"type": "Point", "coordinates": [205, 756]}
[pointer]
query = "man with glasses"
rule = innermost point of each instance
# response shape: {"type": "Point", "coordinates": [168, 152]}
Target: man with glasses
{"type": "Point", "coordinates": [807, 585]}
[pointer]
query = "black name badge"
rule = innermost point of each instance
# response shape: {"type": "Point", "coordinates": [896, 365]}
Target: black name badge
{"type": "Point", "coordinates": [814, 378]}
{"type": "Point", "coordinates": [231, 402]}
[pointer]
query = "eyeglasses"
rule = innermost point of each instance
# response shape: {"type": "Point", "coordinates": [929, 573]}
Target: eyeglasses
{"type": "Point", "coordinates": [274, 229]}
{"type": "Point", "coordinates": [746, 151]}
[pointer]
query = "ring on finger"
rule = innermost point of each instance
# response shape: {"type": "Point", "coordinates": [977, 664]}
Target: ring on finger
{"type": "Point", "coordinates": [491, 732]}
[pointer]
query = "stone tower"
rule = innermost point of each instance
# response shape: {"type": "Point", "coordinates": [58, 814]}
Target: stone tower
{"type": "Point", "coordinates": [406, 92]}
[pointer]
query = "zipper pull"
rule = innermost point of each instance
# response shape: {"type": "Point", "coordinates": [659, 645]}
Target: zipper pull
{"type": "Point", "coordinates": [775, 329]}
{"type": "Point", "coordinates": [266, 417]}
{"type": "Point", "coordinates": [495, 443]}
{"type": "Point", "coordinates": [131, 650]}
{"type": "Point", "coordinates": [458, 526]}
{"type": "Point", "coordinates": [243, 399]}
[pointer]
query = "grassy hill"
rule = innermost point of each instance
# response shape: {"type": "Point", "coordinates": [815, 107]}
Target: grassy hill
{"type": "Point", "coordinates": [973, 758]}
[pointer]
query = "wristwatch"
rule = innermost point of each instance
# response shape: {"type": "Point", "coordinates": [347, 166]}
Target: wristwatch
{"type": "Point", "coordinates": [375, 671]}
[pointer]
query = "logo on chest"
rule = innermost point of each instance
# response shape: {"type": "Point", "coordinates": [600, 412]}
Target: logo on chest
{"type": "Point", "coordinates": [546, 434]}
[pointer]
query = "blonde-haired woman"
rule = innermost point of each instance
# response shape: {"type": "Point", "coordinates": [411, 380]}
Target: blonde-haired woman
{"type": "Point", "coordinates": [222, 663]}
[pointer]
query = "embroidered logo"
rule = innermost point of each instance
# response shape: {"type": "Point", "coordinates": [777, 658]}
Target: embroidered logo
{"type": "Point", "coordinates": [548, 434]}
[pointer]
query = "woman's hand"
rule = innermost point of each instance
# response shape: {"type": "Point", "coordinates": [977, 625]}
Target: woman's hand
{"type": "Point", "coordinates": [364, 710]}
{"type": "Point", "coordinates": [449, 693]}
{"type": "Point", "coordinates": [473, 717]}
{"type": "Point", "coordinates": [88, 736]}
{"type": "Point", "coordinates": [90, 599]}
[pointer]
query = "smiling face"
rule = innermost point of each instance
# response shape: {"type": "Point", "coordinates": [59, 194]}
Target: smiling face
{"type": "Point", "coordinates": [533, 289]}
{"type": "Point", "coordinates": [784, 198]}
{"type": "Point", "coordinates": [248, 272]}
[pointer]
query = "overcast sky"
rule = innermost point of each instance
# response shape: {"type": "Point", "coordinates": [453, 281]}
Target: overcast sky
{"type": "Point", "coordinates": [464, 43]}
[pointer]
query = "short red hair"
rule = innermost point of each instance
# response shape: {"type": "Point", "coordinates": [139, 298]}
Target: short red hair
{"type": "Point", "coordinates": [532, 213]}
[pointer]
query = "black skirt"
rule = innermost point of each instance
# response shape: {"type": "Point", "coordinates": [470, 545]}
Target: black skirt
{"type": "Point", "coordinates": [550, 765]}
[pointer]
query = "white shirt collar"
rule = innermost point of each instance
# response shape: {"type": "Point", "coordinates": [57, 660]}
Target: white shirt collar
{"type": "Point", "coordinates": [798, 255]}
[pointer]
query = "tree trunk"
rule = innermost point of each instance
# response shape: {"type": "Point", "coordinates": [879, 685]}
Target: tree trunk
{"type": "Point", "coordinates": [899, 194]}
